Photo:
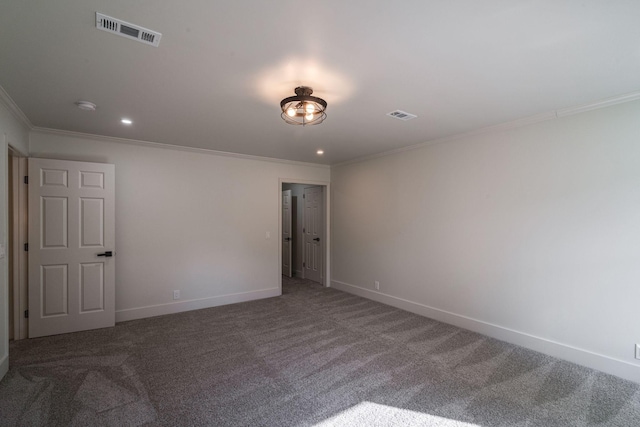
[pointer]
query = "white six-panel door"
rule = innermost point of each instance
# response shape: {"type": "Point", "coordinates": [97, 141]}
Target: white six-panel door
{"type": "Point", "coordinates": [71, 232]}
{"type": "Point", "coordinates": [313, 234]}
{"type": "Point", "coordinates": [286, 233]}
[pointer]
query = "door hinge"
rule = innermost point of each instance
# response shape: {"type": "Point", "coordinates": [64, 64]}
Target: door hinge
{"type": "Point", "coordinates": [26, 314]}
{"type": "Point", "coordinates": [26, 247]}
{"type": "Point", "coordinates": [304, 196]}
{"type": "Point", "coordinates": [303, 229]}
{"type": "Point", "coordinates": [304, 264]}
{"type": "Point", "coordinates": [26, 179]}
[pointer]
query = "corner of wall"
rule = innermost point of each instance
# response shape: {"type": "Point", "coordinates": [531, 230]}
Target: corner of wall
{"type": "Point", "coordinates": [579, 356]}
{"type": "Point", "coordinates": [195, 304]}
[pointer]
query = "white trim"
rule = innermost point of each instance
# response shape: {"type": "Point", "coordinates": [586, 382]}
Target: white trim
{"type": "Point", "coordinates": [549, 115]}
{"type": "Point", "coordinates": [525, 121]}
{"type": "Point", "coordinates": [16, 152]}
{"type": "Point", "coordinates": [603, 103]}
{"type": "Point", "coordinates": [194, 304]}
{"type": "Point", "coordinates": [4, 290]}
{"type": "Point", "coordinates": [101, 138]}
{"type": "Point", "coordinates": [4, 365]}
{"type": "Point", "coordinates": [18, 255]}
{"type": "Point", "coordinates": [8, 102]}
{"type": "Point", "coordinates": [13, 230]}
{"type": "Point", "coordinates": [23, 257]}
{"type": "Point", "coordinates": [580, 356]}
{"type": "Point", "coordinates": [494, 128]}
{"type": "Point", "coordinates": [327, 225]}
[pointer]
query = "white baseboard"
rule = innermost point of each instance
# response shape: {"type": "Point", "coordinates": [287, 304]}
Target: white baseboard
{"type": "Point", "coordinates": [580, 356]}
{"type": "Point", "coordinates": [194, 304]}
{"type": "Point", "coordinates": [4, 366]}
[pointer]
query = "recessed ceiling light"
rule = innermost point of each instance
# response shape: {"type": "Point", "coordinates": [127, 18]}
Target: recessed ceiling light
{"type": "Point", "coordinates": [320, 152]}
{"type": "Point", "coordinates": [86, 105]}
{"type": "Point", "coordinates": [126, 121]}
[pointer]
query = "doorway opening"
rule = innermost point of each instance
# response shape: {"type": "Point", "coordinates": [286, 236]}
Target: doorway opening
{"type": "Point", "coordinates": [304, 226]}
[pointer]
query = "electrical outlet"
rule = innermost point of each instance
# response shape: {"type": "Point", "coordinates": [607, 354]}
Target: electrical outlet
{"type": "Point", "coordinates": [637, 351]}
{"type": "Point", "coordinates": [377, 285]}
{"type": "Point", "coordinates": [176, 294]}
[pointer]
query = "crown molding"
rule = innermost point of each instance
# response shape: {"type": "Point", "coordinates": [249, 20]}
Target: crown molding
{"type": "Point", "coordinates": [494, 128]}
{"type": "Point", "coordinates": [603, 103]}
{"type": "Point", "coordinates": [8, 102]}
{"type": "Point", "coordinates": [525, 121]}
{"type": "Point", "coordinates": [102, 138]}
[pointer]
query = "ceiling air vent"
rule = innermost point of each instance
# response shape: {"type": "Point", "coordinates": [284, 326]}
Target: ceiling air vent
{"type": "Point", "coordinates": [125, 29]}
{"type": "Point", "coordinates": [402, 115]}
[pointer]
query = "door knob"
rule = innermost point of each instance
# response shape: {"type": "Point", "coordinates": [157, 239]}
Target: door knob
{"type": "Point", "coordinates": [317, 239]}
{"type": "Point", "coordinates": [287, 239]}
{"type": "Point", "coordinates": [106, 254]}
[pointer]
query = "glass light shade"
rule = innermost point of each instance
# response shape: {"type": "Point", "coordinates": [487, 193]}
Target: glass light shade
{"type": "Point", "coordinates": [303, 108]}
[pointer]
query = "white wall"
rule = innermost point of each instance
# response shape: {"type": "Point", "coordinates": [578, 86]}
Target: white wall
{"type": "Point", "coordinates": [187, 220]}
{"type": "Point", "coordinates": [531, 235]}
{"type": "Point", "coordinates": [14, 133]}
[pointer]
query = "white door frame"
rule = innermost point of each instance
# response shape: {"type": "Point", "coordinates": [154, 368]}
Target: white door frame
{"type": "Point", "coordinates": [327, 225]}
{"type": "Point", "coordinates": [307, 258]}
{"type": "Point", "coordinates": [287, 232]}
{"type": "Point", "coordinates": [19, 259]}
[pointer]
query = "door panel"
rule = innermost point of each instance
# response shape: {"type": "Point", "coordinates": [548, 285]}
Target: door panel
{"type": "Point", "coordinates": [53, 178]}
{"type": "Point", "coordinates": [71, 222]}
{"type": "Point", "coordinates": [55, 290]}
{"type": "Point", "coordinates": [54, 222]}
{"type": "Point", "coordinates": [91, 179]}
{"type": "Point", "coordinates": [91, 223]}
{"type": "Point", "coordinates": [92, 287]}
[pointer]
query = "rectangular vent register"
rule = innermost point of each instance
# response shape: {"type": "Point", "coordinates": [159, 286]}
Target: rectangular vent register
{"type": "Point", "coordinates": [125, 29]}
{"type": "Point", "coordinates": [401, 115]}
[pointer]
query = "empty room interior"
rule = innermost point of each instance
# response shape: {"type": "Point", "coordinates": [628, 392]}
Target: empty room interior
{"type": "Point", "coordinates": [329, 214]}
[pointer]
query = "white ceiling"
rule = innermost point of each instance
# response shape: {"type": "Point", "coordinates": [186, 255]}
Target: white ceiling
{"type": "Point", "coordinates": [222, 67]}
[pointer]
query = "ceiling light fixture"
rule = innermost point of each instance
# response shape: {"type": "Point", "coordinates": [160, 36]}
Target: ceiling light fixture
{"type": "Point", "coordinates": [86, 105]}
{"type": "Point", "coordinates": [303, 109]}
{"type": "Point", "coordinates": [126, 121]}
{"type": "Point", "coordinates": [320, 152]}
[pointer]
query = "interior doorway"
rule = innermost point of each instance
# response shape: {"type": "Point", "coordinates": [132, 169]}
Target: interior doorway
{"type": "Point", "coordinates": [304, 225]}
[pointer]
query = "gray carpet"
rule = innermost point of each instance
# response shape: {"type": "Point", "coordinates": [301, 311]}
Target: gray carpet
{"type": "Point", "coordinates": [313, 356]}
